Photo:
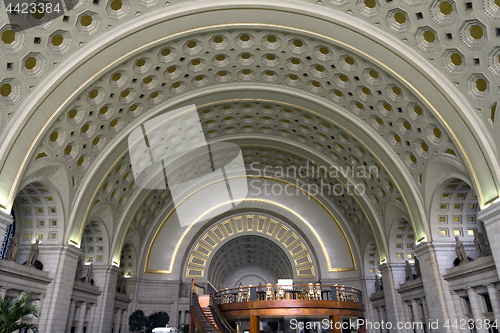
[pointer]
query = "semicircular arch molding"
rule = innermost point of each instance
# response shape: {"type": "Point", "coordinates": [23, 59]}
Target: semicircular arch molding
{"type": "Point", "coordinates": [257, 224]}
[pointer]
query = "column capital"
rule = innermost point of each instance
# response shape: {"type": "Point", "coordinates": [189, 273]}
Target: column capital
{"type": "Point", "coordinates": [423, 248]}
{"type": "Point", "coordinates": [72, 251]}
{"type": "Point", "coordinates": [490, 214]}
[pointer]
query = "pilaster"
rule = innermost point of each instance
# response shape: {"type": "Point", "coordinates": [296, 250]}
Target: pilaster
{"type": "Point", "coordinates": [392, 298]}
{"type": "Point", "coordinates": [118, 317]}
{"type": "Point", "coordinates": [495, 301]}
{"type": "Point", "coordinates": [432, 281]}
{"type": "Point", "coordinates": [124, 322]}
{"type": "Point", "coordinates": [56, 304]}
{"type": "Point", "coordinates": [82, 309]}
{"type": "Point", "coordinates": [368, 289]}
{"type": "Point", "coordinates": [72, 307]}
{"type": "Point", "coordinates": [105, 277]}
{"type": "Point", "coordinates": [132, 289]}
{"type": "Point", "coordinates": [476, 310]}
{"type": "Point", "coordinates": [417, 316]}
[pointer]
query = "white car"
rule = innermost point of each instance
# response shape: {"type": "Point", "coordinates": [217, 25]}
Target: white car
{"type": "Point", "coordinates": [166, 329]}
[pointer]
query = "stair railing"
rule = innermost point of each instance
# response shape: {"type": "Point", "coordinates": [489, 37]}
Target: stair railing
{"type": "Point", "coordinates": [221, 321]}
{"type": "Point", "coordinates": [204, 322]}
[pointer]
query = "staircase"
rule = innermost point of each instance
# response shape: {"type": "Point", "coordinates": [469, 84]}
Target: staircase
{"type": "Point", "coordinates": [204, 316]}
{"type": "Point", "coordinates": [208, 314]}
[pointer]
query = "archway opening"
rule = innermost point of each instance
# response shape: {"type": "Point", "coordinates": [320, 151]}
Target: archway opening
{"type": "Point", "coordinates": [249, 260]}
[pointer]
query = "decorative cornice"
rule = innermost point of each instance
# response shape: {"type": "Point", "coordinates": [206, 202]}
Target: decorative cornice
{"type": "Point", "coordinates": [489, 214]}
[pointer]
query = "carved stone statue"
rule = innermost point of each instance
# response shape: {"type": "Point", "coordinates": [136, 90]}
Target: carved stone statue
{"type": "Point", "coordinates": [120, 286]}
{"type": "Point", "coordinates": [416, 265]}
{"type": "Point", "coordinates": [33, 254]}
{"type": "Point", "coordinates": [79, 269]}
{"type": "Point", "coordinates": [479, 243]}
{"type": "Point", "coordinates": [377, 284]}
{"type": "Point", "coordinates": [460, 250]}
{"type": "Point", "coordinates": [13, 248]}
{"type": "Point", "coordinates": [88, 278]}
{"type": "Point", "coordinates": [408, 271]}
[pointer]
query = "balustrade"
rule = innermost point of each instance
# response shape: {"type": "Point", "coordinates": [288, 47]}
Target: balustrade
{"type": "Point", "coordinates": [270, 292]}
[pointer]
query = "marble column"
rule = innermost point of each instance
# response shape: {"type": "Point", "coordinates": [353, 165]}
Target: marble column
{"type": "Point", "coordinates": [407, 316]}
{"type": "Point", "coordinates": [477, 314]}
{"type": "Point", "coordinates": [435, 288]}
{"type": "Point", "coordinates": [376, 319]}
{"type": "Point", "coordinates": [118, 317]}
{"type": "Point", "coordinates": [368, 289]}
{"type": "Point", "coordinates": [417, 317]}
{"type": "Point", "coordinates": [5, 221]}
{"type": "Point", "coordinates": [81, 317]}
{"type": "Point", "coordinates": [92, 317]}
{"type": "Point", "coordinates": [124, 324]}
{"type": "Point", "coordinates": [491, 218]}
{"type": "Point", "coordinates": [132, 287]}
{"type": "Point", "coordinates": [72, 307]}
{"type": "Point", "coordinates": [381, 314]}
{"type": "Point", "coordinates": [105, 277]}
{"type": "Point", "coordinates": [392, 297]}
{"type": "Point", "coordinates": [495, 301]}
{"type": "Point", "coordinates": [56, 304]}
{"type": "Point", "coordinates": [426, 311]}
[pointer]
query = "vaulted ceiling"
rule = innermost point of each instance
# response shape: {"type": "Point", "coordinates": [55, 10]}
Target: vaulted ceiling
{"type": "Point", "coordinates": [407, 88]}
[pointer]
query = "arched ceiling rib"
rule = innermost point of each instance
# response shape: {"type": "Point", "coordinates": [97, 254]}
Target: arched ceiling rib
{"type": "Point", "coordinates": [470, 56]}
{"type": "Point", "coordinates": [102, 112]}
{"type": "Point", "coordinates": [357, 212]}
{"type": "Point", "coordinates": [309, 130]}
{"type": "Point", "coordinates": [93, 134]}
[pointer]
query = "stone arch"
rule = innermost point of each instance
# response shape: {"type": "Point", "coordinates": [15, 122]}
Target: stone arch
{"type": "Point", "coordinates": [248, 255]}
{"type": "Point", "coordinates": [128, 261]}
{"type": "Point", "coordinates": [453, 211]}
{"type": "Point", "coordinates": [277, 233]}
{"type": "Point", "coordinates": [39, 214]}
{"type": "Point", "coordinates": [435, 78]}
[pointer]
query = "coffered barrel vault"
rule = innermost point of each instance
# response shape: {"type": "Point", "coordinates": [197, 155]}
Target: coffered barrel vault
{"type": "Point", "coordinates": [399, 89]}
{"type": "Point", "coordinates": [397, 98]}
